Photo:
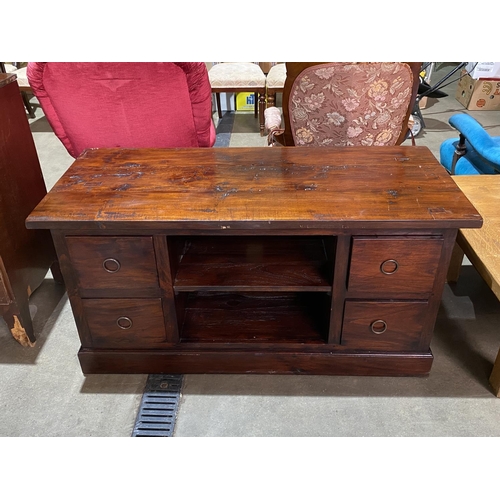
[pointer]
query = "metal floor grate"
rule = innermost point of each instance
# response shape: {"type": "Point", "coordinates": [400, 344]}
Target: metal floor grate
{"type": "Point", "coordinates": [158, 410]}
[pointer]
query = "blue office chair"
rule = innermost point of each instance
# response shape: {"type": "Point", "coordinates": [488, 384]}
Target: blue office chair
{"type": "Point", "coordinates": [474, 152]}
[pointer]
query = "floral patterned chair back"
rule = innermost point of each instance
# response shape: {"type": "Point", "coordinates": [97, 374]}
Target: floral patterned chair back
{"type": "Point", "coordinates": [348, 104]}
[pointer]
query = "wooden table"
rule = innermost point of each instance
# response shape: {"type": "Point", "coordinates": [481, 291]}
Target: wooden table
{"type": "Point", "coordinates": [482, 246]}
{"type": "Point", "coordinates": [25, 256]}
{"type": "Point", "coordinates": [255, 260]}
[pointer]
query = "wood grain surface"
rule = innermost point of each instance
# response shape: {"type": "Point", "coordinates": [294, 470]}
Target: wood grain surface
{"type": "Point", "coordinates": [25, 256]}
{"type": "Point", "coordinates": [483, 247]}
{"type": "Point", "coordinates": [258, 260]}
{"type": "Point", "coordinates": [259, 188]}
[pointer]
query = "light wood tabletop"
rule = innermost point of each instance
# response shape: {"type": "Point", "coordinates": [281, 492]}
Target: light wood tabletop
{"type": "Point", "coordinates": [482, 246]}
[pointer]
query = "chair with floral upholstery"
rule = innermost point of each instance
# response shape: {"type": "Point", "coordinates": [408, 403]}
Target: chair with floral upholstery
{"type": "Point", "coordinates": [344, 104]}
{"type": "Point", "coordinates": [239, 77]}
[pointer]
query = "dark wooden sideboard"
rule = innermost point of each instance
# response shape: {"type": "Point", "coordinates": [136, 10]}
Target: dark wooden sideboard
{"type": "Point", "coordinates": [25, 256]}
{"type": "Point", "coordinates": [255, 260]}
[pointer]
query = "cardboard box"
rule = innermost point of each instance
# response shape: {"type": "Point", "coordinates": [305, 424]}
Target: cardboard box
{"type": "Point", "coordinates": [478, 95]}
{"type": "Point", "coordinates": [484, 70]}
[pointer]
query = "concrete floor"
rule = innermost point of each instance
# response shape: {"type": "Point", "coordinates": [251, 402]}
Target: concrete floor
{"type": "Point", "coordinates": [43, 392]}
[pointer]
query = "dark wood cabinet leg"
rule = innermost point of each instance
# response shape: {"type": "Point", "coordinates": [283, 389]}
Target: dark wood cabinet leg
{"type": "Point", "coordinates": [457, 257]}
{"type": "Point", "coordinates": [55, 269]}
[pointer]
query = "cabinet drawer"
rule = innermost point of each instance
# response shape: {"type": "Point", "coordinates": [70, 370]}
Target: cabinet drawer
{"type": "Point", "coordinates": [383, 326]}
{"type": "Point", "coordinates": [387, 267]}
{"type": "Point", "coordinates": [124, 265]}
{"type": "Point", "coordinates": [125, 323]}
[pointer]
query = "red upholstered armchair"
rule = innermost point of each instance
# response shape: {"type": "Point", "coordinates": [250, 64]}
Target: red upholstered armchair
{"type": "Point", "coordinates": [129, 105]}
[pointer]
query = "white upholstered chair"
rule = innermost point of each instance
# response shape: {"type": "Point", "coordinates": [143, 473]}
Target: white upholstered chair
{"type": "Point", "coordinates": [239, 77]}
{"type": "Point", "coordinates": [275, 82]}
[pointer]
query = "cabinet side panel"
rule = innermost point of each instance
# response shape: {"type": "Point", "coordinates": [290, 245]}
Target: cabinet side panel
{"type": "Point", "coordinates": [5, 297]}
{"type": "Point", "coordinates": [71, 284]}
{"type": "Point", "coordinates": [450, 236]}
{"type": "Point", "coordinates": [26, 254]}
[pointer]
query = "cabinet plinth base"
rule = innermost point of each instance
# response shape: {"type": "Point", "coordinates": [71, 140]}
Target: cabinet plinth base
{"type": "Point", "coordinates": [331, 363]}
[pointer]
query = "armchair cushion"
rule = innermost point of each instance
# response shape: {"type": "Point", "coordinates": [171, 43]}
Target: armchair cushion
{"type": "Point", "coordinates": [276, 77]}
{"type": "Point", "coordinates": [235, 75]}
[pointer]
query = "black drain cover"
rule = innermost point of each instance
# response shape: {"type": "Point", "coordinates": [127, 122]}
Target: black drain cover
{"type": "Point", "coordinates": [160, 401]}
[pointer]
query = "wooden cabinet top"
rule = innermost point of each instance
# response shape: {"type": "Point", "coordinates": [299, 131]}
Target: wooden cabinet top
{"type": "Point", "coordinates": [6, 78]}
{"type": "Point", "coordinates": [256, 188]}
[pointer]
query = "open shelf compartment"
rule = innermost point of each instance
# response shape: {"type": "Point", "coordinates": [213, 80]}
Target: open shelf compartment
{"type": "Point", "coordinates": [254, 317]}
{"type": "Point", "coordinates": [249, 263]}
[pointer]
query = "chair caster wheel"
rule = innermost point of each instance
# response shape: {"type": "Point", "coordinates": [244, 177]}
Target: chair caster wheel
{"type": "Point", "coordinates": [416, 125]}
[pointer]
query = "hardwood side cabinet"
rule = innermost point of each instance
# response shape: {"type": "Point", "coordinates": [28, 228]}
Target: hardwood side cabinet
{"type": "Point", "coordinates": [255, 260]}
{"type": "Point", "coordinates": [25, 256]}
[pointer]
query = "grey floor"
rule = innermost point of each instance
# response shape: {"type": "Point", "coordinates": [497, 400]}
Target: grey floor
{"type": "Point", "coordinates": [43, 392]}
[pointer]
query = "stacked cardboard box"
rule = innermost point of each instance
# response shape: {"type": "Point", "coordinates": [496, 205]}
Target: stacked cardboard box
{"type": "Point", "coordinates": [479, 94]}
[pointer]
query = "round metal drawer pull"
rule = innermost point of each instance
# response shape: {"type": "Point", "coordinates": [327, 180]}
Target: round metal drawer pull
{"type": "Point", "coordinates": [390, 262]}
{"type": "Point", "coordinates": [124, 323]}
{"type": "Point", "coordinates": [111, 265]}
{"type": "Point", "coordinates": [378, 326]}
